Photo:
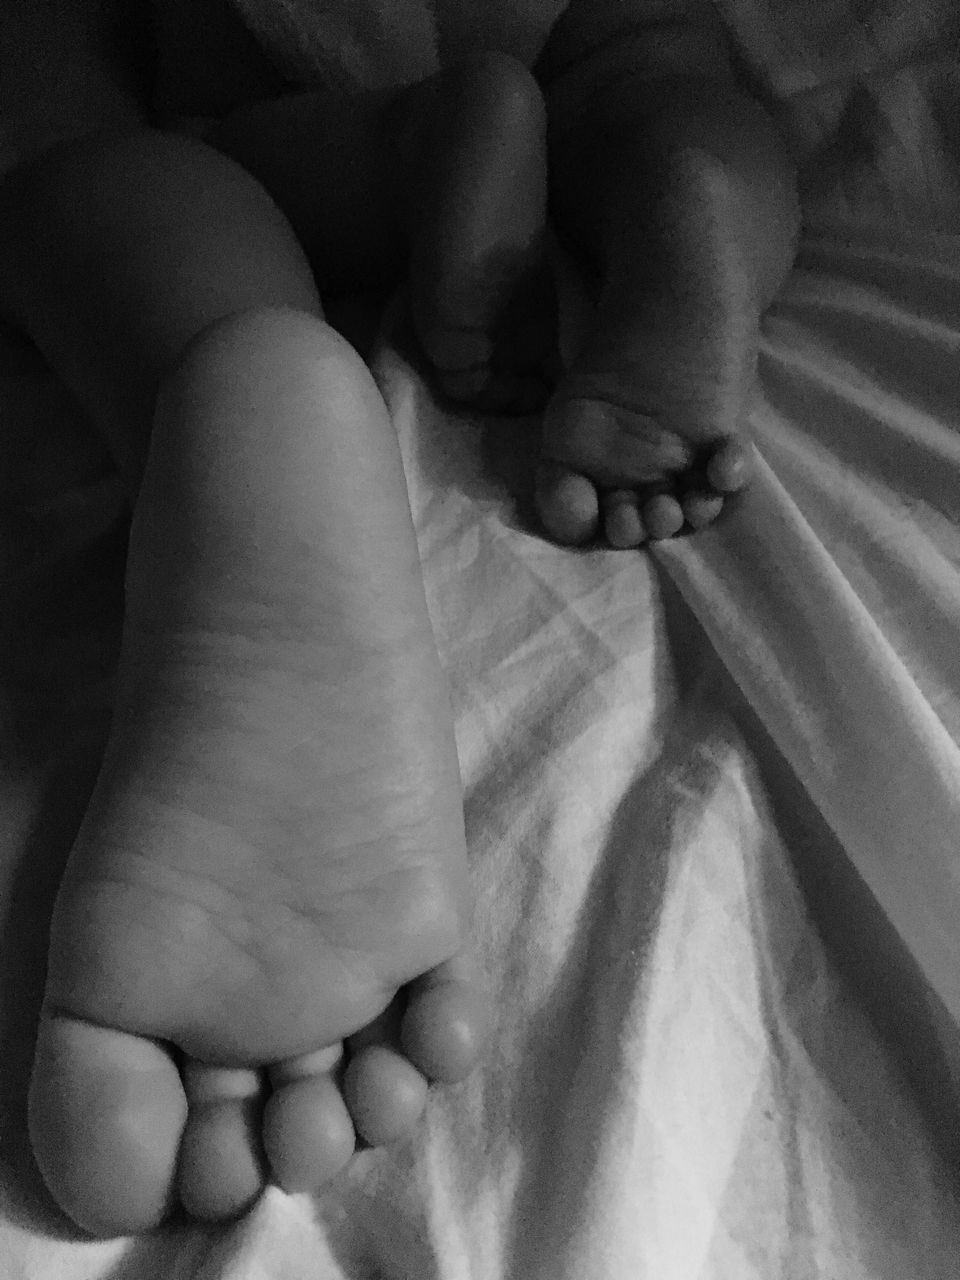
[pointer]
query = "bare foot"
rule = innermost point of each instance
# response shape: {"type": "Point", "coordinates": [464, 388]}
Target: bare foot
{"type": "Point", "coordinates": [274, 848]}
{"type": "Point", "coordinates": [644, 433]}
{"type": "Point", "coordinates": [481, 292]}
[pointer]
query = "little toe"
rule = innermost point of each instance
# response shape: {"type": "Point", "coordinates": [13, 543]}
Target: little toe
{"type": "Point", "coordinates": [447, 1021]}
{"type": "Point", "coordinates": [107, 1111]}
{"type": "Point", "coordinates": [662, 516]}
{"type": "Point", "coordinates": [307, 1133]}
{"type": "Point", "coordinates": [221, 1162]}
{"type": "Point", "coordinates": [566, 503]}
{"type": "Point", "coordinates": [729, 467]}
{"type": "Point", "coordinates": [385, 1094]}
{"type": "Point", "coordinates": [622, 522]}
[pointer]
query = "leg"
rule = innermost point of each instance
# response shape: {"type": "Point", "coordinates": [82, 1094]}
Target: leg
{"type": "Point", "coordinates": [481, 296]}
{"type": "Point", "coordinates": [115, 251]}
{"type": "Point", "coordinates": [675, 186]}
{"type": "Point", "coordinates": [274, 847]}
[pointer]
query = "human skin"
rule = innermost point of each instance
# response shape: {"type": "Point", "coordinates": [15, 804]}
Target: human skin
{"type": "Point", "coordinates": [273, 859]}
{"type": "Point", "coordinates": [674, 186]}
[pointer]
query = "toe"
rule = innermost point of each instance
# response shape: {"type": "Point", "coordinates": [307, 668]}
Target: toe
{"type": "Point", "coordinates": [221, 1165]}
{"type": "Point", "coordinates": [662, 516]}
{"type": "Point", "coordinates": [701, 509]}
{"type": "Point", "coordinates": [385, 1094]}
{"type": "Point", "coordinates": [447, 1021]}
{"type": "Point", "coordinates": [728, 469]}
{"type": "Point", "coordinates": [107, 1111]}
{"type": "Point", "coordinates": [566, 503]}
{"type": "Point", "coordinates": [622, 522]}
{"type": "Point", "coordinates": [307, 1133]}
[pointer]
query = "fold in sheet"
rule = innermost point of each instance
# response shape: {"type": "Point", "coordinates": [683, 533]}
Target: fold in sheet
{"type": "Point", "coordinates": [872, 751]}
{"type": "Point", "coordinates": [831, 637]}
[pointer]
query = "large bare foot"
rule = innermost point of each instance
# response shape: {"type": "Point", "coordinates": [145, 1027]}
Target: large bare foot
{"type": "Point", "coordinates": [274, 848]}
{"type": "Point", "coordinates": [644, 434]}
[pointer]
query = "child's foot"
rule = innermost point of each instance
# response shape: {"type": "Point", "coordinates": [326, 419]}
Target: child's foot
{"type": "Point", "coordinates": [480, 289]}
{"type": "Point", "coordinates": [642, 436]}
{"type": "Point", "coordinates": [275, 846]}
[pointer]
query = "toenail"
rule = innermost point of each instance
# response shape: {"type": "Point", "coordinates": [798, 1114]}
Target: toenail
{"type": "Point", "coordinates": [320, 1062]}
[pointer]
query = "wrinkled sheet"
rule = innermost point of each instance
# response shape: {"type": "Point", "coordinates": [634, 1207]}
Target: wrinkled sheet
{"type": "Point", "coordinates": [711, 792]}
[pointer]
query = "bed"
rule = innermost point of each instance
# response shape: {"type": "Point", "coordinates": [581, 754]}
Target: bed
{"type": "Point", "coordinates": [712, 791]}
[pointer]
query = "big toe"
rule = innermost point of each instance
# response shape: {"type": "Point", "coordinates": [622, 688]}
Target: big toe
{"type": "Point", "coordinates": [107, 1111]}
{"type": "Point", "coordinates": [384, 1092]}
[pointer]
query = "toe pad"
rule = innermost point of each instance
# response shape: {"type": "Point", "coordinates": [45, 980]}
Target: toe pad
{"type": "Point", "coordinates": [385, 1093]}
{"type": "Point", "coordinates": [107, 1111]}
{"type": "Point", "coordinates": [307, 1133]}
